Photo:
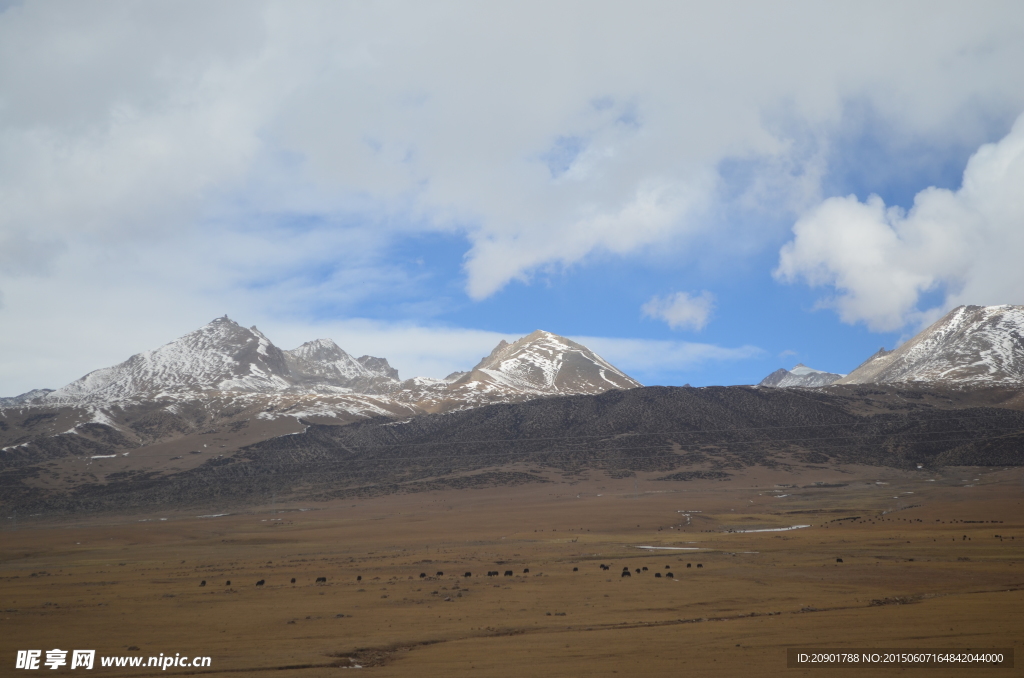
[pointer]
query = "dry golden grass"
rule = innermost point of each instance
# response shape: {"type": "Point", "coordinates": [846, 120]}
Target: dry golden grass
{"type": "Point", "coordinates": [908, 578]}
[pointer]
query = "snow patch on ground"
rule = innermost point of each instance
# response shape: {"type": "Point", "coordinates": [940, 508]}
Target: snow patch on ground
{"type": "Point", "coordinates": [774, 529]}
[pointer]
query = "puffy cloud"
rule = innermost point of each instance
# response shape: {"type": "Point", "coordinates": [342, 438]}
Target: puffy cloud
{"type": "Point", "coordinates": [963, 244]}
{"type": "Point", "coordinates": [680, 310]}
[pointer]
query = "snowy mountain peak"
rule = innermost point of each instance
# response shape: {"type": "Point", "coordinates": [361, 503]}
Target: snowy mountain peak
{"type": "Point", "coordinates": [317, 348]}
{"type": "Point", "coordinates": [801, 375]}
{"type": "Point", "coordinates": [323, 365]}
{"type": "Point", "coordinates": [543, 362]}
{"type": "Point", "coordinates": [971, 345]}
{"type": "Point", "coordinates": [321, 360]}
{"type": "Point", "coordinates": [222, 355]}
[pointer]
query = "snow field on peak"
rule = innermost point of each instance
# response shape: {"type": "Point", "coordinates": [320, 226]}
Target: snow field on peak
{"type": "Point", "coordinates": [971, 345]}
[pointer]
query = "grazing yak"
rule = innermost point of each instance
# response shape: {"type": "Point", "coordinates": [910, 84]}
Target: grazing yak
{"type": "Point", "coordinates": [508, 573]}
{"type": "Point", "coordinates": [260, 583]}
{"type": "Point", "coordinates": [468, 574]}
{"type": "Point", "coordinates": [625, 573]}
{"type": "Point", "coordinates": [423, 575]}
{"type": "Point", "coordinates": [657, 575]}
{"type": "Point", "coordinates": [321, 580]}
{"type": "Point", "coordinates": [439, 574]}
{"type": "Point", "coordinates": [699, 566]}
{"type": "Point", "coordinates": [839, 560]}
{"type": "Point", "coordinates": [202, 583]}
{"type": "Point", "coordinates": [526, 571]}
{"type": "Point", "coordinates": [575, 569]}
{"type": "Point", "coordinates": [670, 575]}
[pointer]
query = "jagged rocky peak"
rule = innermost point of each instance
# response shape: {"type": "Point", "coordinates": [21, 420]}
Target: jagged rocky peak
{"type": "Point", "coordinates": [221, 355]}
{"type": "Point", "coordinates": [323, 360]}
{"type": "Point", "coordinates": [322, 366]}
{"type": "Point", "coordinates": [801, 375]}
{"type": "Point", "coordinates": [971, 345]}
{"type": "Point", "coordinates": [542, 362]}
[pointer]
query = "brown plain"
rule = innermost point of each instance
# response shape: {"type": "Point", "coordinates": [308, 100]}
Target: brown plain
{"type": "Point", "coordinates": [935, 560]}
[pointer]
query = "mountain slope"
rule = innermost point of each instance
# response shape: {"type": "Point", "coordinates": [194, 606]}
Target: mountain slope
{"type": "Point", "coordinates": [970, 346]}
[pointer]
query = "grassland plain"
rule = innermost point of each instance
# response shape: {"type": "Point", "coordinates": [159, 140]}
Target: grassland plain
{"type": "Point", "coordinates": [930, 559]}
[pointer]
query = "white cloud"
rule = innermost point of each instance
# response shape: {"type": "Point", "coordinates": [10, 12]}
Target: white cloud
{"type": "Point", "coordinates": [965, 244]}
{"type": "Point", "coordinates": [680, 310]}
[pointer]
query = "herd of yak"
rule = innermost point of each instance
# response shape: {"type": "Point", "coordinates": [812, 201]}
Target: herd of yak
{"type": "Point", "coordinates": [495, 573]}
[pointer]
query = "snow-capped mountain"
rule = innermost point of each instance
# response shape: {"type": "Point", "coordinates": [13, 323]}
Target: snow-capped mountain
{"type": "Point", "coordinates": [971, 345]}
{"type": "Point", "coordinates": [223, 356]}
{"type": "Point", "coordinates": [545, 363]}
{"type": "Point", "coordinates": [801, 375]}
{"type": "Point", "coordinates": [220, 356]}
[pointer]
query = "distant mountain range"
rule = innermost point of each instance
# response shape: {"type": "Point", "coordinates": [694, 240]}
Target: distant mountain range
{"type": "Point", "coordinates": [223, 360]}
{"type": "Point", "coordinates": [970, 346]}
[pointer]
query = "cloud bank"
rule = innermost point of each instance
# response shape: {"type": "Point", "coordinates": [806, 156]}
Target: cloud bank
{"type": "Point", "coordinates": [881, 261]}
{"type": "Point", "coordinates": [544, 134]}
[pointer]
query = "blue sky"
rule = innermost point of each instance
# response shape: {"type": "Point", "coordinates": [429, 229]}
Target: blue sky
{"type": "Point", "coordinates": [701, 194]}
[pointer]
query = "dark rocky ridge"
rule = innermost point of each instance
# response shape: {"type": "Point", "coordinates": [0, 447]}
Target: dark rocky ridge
{"type": "Point", "coordinates": [679, 433]}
